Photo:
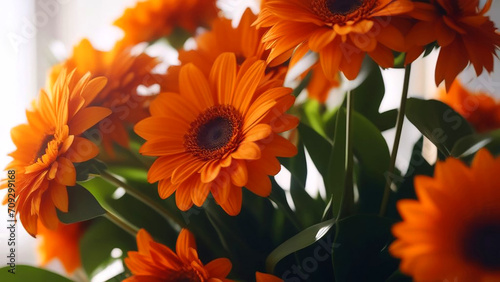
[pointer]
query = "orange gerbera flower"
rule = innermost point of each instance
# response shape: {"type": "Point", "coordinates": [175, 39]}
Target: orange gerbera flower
{"type": "Point", "coordinates": [320, 86]}
{"type": "Point", "coordinates": [61, 243]}
{"type": "Point", "coordinates": [49, 144]}
{"type": "Point", "coordinates": [451, 233]}
{"type": "Point", "coordinates": [479, 109]}
{"type": "Point", "coordinates": [244, 41]}
{"type": "Point", "coordinates": [152, 19]}
{"type": "Point", "coordinates": [462, 30]}
{"type": "Point", "coordinates": [264, 277]}
{"type": "Point", "coordinates": [156, 262]}
{"type": "Point", "coordinates": [218, 134]}
{"type": "Point", "coordinates": [125, 72]}
{"type": "Point", "coordinates": [341, 31]}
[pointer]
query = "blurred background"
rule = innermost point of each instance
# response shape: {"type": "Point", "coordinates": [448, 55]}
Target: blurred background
{"type": "Point", "coordinates": [36, 34]}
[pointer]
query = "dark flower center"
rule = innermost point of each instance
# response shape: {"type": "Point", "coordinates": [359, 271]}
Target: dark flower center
{"type": "Point", "coordinates": [214, 133]}
{"type": "Point", "coordinates": [342, 11]}
{"type": "Point", "coordinates": [43, 147]}
{"type": "Point", "coordinates": [184, 276]}
{"type": "Point", "coordinates": [482, 245]}
{"type": "Point", "coordinates": [343, 7]}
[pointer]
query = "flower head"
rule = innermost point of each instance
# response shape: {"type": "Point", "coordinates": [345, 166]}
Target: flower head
{"type": "Point", "coordinates": [218, 134]}
{"type": "Point", "coordinates": [61, 243]}
{"type": "Point", "coordinates": [245, 41]}
{"type": "Point", "coordinates": [49, 144]}
{"type": "Point", "coordinates": [156, 262]}
{"type": "Point", "coordinates": [479, 109]}
{"type": "Point", "coordinates": [341, 31]}
{"type": "Point", "coordinates": [125, 72]}
{"type": "Point", "coordinates": [463, 32]}
{"type": "Point", "coordinates": [452, 231]}
{"type": "Point", "coordinates": [152, 19]}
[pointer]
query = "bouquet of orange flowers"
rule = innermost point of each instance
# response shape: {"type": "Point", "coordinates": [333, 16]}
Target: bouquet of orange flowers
{"type": "Point", "coordinates": [179, 184]}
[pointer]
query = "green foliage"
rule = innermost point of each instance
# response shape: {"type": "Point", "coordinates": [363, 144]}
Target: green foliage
{"type": "Point", "coordinates": [82, 206]}
{"type": "Point", "coordinates": [30, 273]}
{"type": "Point", "coordinates": [360, 249]}
{"type": "Point", "coordinates": [98, 241]}
{"type": "Point", "coordinates": [438, 122]}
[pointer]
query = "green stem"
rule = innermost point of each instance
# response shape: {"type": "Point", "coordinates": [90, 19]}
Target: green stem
{"type": "Point", "coordinates": [122, 223]}
{"type": "Point", "coordinates": [166, 214]}
{"type": "Point", "coordinates": [348, 198]}
{"type": "Point", "coordinates": [397, 139]}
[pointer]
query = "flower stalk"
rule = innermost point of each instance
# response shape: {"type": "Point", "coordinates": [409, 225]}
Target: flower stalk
{"type": "Point", "coordinates": [122, 223]}
{"type": "Point", "coordinates": [166, 214]}
{"type": "Point", "coordinates": [397, 139]}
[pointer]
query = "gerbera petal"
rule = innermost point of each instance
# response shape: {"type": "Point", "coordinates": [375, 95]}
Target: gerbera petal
{"type": "Point", "coordinates": [183, 197]}
{"type": "Point", "coordinates": [247, 85]}
{"type": "Point", "coordinates": [233, 204]}
{"type": "Point", "coordinates": [223, 76]}
{"type": "Point", "coordinates": [48, 215]}
{"type": "Point", "coordinates": [163, 167]}
{"type": "Point", "coordinates": [210, 171]}
{"type": "Point", "coordinates": [59, 196]}
{"type": "Point", "coordinates": [239, 174]}
{"type": "Point", "coordinates": [66, 172]}
{"type": "Point", "coordinates": [199, 193]}
{"type": "Point", "coordinates": [86, 118]}
{"type": "Point", "coordinates": [185, 242]}
{"type": "Point", "coordinates": [193, 83]}
{"type": "Point", "coordinates": [281, 147]}
{"type": "Point", "coordinates": [258, 132]}
{"type": "Point", "coordinates": [247, 151]}
{"type": "Point", "coordinates": [185, 169]}
{"type": "Point", "coordinates": [82, 150]}
{"type": "Point", "coordinates": [166, 188]}
{"type": "Point", "coordinates": [258, 182]}
{"type": "Point", "coordinates": [144, 240]}
{"type": "Point", "coordinates": [219, 267]}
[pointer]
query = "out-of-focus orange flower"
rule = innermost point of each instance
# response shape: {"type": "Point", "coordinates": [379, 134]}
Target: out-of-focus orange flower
{"type": "Point", "coordinates": [153, 19]}
{"type": "Point", "coordinates": [342, 32]}
{"type": "Point", "coordinates": [479, 109]}
{"type": "Point", "coordinates": [319, 86]}
{"type": "Point", "coordinates": [218, 134]}
{"type": "Point", "coordinates": [61, 243]}
{"type": "Point", "coordinates": [125, 72]}
{"type": "Point", "coordinates": [245, 41]}
{"type": "Point", "coordinates": [264, 277]}
{"type": "Point", "coordinates": [156, 262]}
{"type": "Point", "coordinates": [49, 144]}
{"type": "Point", "coordinates": [463, 32]}
{"type": "Point", "coordinates": [451, 232]}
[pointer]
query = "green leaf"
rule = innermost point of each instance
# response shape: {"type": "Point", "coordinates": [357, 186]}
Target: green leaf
{"type": "Point", "coordinates": [87, 170]}
{"type": "Point", "coordinates": [313, 111]}
{"type": "Point", "coordinates": [469, 145]}
{"type": "Point", "coordinates": [406, 190]}
{"type": "Point", "coordinates": [368, 97]}
{"type": "Point", "coordinates": [31, 274]}
{"type": "Point", "coordinates": [302, 240]}
{"type": "Point", "coordinates": [334, 176]}
{"type": "Point", "coordinates": [438, 122]}
{"type": "Point", "coordinates": [308, 210]}
{"type": "Point", "coordinates": [360, 249]}
{"type": "Point", "coordinates": [318, 147]}
{"type": "Point", "coordinates": [97, 243]}
{"type": "Point", "coordinates": [373, 158]}
{"type": "Point", "coordinates": [82, 206]}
